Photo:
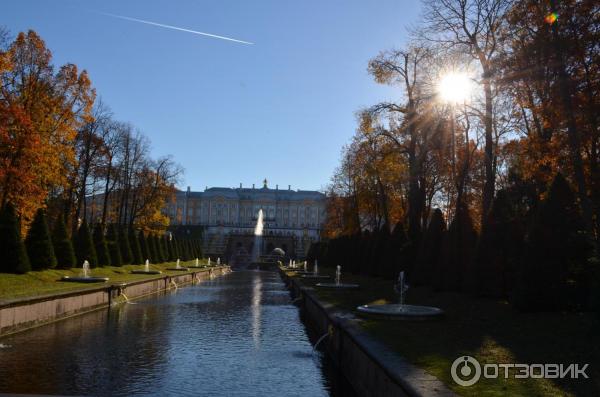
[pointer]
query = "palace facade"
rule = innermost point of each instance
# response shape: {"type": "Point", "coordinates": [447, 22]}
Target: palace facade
{"type": "Point", "coordinates": [292, 218]}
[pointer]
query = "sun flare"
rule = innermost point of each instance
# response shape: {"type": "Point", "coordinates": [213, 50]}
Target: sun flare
{"type": "Point", "coordinates": [454, 87]}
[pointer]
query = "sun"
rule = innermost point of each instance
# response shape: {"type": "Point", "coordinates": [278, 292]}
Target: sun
{"type": "Point", "coordinates": [454, 87]}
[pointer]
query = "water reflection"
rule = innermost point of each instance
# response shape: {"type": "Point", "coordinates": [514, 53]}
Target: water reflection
{"type": "Point", "coordinates": [256, 307]}
{"type": "Point", "coordinates": [236, 335]}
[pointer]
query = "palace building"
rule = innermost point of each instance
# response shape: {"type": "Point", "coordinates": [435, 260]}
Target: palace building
{"type": "Point", "coordinates": [292, 218]}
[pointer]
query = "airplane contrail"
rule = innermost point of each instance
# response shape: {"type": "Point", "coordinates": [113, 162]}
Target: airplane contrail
{"type": "Point", "coordinates": [174, 28]}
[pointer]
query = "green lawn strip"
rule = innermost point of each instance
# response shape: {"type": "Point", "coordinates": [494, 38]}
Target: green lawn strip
{"type": "Point", "coordinates": [489, 330]}
{"type": "Point", "coordinates": [15, 286]}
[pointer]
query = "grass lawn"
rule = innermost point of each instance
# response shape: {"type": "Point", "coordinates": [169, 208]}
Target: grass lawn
{"type": "Point", "coordinates": [14, 286]}
{"type": "Point", "coordinates": [489, 330]}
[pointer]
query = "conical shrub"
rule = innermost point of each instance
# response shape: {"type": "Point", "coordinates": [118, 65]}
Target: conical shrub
{"type": "Point", "coordinates": [39, 244]}
{"type": "Point", "coordinates": [137, 257]}
{"type": "Point", "coordinates": [84, 246]}
{"type": "Point", "coordinates": [63, 246]}
{"type": "Point", "coordinates": [14, 254]}
{"type": "Point", "coordinates": [101, 246]}
{"type": "Point", "coordinates": [124, 246]}
{"type": "Point", "coordinates": [114, 250]}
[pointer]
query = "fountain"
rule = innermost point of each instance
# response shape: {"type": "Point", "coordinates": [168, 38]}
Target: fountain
{"type": "Point", "coordinates": [208, 262]}
{"type": "Point", "coordinates": [258, 236]}
{"type": "Point", "coordinates": [146, 269]}
{"type": "Point", "coordinates": [315, 273]}
{"type": "Point", "coordinates": [218, 261]}
{"type": "Point", "coordinates": [401, 310]}
{"type": "Point", "coordinates": [338, 281]}
{"type": "Point", "coordinates": [85, 276]}
{"type": "Point", "coordinates": [178, 267]}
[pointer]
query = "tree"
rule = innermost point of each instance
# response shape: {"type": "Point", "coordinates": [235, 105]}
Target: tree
{"type": "Point", "coordinates": [144, 249]}
{"type": "Point", "coordinates": [460, 249]}
{"type": "Point", "coordinates": [124, 245]}
{"type": "Point", "coordinates": [39, 244]}
{"type": "Point", "coordinates": [498, 250]}
{"type": "Point", "coordinates": [430, 250]}
{"type": "Point", "coordinates": [473, 27]}
{"type": "Point", "coordinates": [84, 246]}
{"type": "Point", "coordinates": [557, 252]}
{"type": "Point", "coordinates": [136, 249]}
{"type": "Point", "coordinates": [152, 248]}
{"type": "Point", "coordinates": [101, 246]}
{"type": "Point", "coordinates": [112, 241]}
{"type": "Point", "coordinates": [15, 259]}
{"type": "Point", "coordinates": [63, 246]}
{"type": "Point", "coordinates": [40, 112]}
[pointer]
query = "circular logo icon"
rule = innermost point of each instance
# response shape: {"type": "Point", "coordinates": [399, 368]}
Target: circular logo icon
{"type": "Point", "coordinates": [465, 371]}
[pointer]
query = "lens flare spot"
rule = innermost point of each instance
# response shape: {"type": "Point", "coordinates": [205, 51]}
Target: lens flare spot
{"type": "Point", "coordinates": [551, 18]}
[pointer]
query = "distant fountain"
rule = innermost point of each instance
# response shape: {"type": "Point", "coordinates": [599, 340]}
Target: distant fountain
{"type": "Point", "coordinates": [306, 266]}
{"type": "Point", "coordinates": [337, 284]}
{"type": "Point", "coordinates": [196, 262]}
{"type": "Point", "coordinates": [258, 236]}
{"type": "Point", "coordinates": [178, 266]}
{"type": "Point", "coordinates": [316, 269]}
{"type": "Point", "coordinates": [85, 276]}
{"type": "Point", "coordinates": [218, 261]}
{"type": "Point", "coordinates": [209, 261]}
{"type": "Point", "coordinates": [400, 310]}
{"type": "Point", "coordinates": [86, 269]}
{"type": "Point", "coordinates": [146, 269]}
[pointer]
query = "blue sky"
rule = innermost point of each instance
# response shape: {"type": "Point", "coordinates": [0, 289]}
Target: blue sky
{"type": "Point", "coordinates": [229, 112]}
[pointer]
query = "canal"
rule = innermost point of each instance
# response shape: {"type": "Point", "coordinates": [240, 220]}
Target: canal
{"type": "Point", "coordinates": [238, 335]}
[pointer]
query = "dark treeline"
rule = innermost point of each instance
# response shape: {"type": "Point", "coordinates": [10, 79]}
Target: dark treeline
{"type": "Point", "coordinates": [114, 245]}
{"type": "Point", "coordinates": [538, 261]}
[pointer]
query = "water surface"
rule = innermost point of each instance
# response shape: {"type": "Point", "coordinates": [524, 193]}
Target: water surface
{"type": "Point", "coordinates": [238, 335]}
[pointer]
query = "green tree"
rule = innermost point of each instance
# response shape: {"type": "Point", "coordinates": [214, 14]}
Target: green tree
{"type": "Point", "coordinates": [14, 253]}
{"type": "Point", "coordinates": [152, 249]}
{"type": "Point", "coordinates": [124, 246]}
{"type": "Point", "coordinates": [63, 246]}
{"type": "Point", "coordinates": [557, 253]}
{"type": "Point", "coordinates": [112, 241]}
{"type": "Point", "coordinates": [84, 246]}
{"type": "Point", "coordinates": [39, 244]}
{"type": "Point", "coordinates": [101, 246]}
{"type": "Point", "coordinates": [431, 248]}
{"type": "Point", "coordinates": [144, 249]}
{"type": "Point", "coordinates": [498, 249]}
{"type": "Point", "coordinates": [136, 249]}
